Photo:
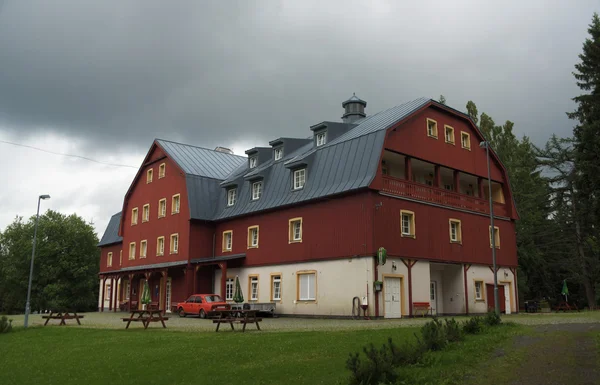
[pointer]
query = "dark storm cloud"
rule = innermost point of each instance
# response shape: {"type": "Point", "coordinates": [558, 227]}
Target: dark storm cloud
{"type": "Point", "coordinates": [215, 73]}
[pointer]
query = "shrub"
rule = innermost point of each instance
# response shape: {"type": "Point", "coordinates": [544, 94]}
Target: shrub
{"type": "Point", "coordinates": [473, 325]}
{"type": "Point", "coordinates": [434, 335]}
{"type": "Point", "coordinates": [453, 331]}
{"type": "Point", "coordinates": [376, 369]}
{"type": "Point", "coordinates": [492, 318]}
{"type": "Point", "coordinates": [5, 325]}
{"type": "Point", "coordinates": [407, 354]}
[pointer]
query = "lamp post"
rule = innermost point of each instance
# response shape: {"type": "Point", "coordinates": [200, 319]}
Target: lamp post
{"type": "Point", "coordinates": [492, 229]}
{"type": "Point", "coordinates": [37, 217]}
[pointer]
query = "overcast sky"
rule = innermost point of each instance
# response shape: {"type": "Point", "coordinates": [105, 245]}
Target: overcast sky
{"type": "Point", "coordinates": [102, 79]}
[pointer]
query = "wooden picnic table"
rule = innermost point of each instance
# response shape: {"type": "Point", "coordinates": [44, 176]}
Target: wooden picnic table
{"type": "Point", "coordinates": [62, 316]}
{"type": "Point", "coordinates": [145, 317]}
{"type": "Point", "coordinates": [564, 306]}
{"type": "Point", "coordinates": [237, 316]}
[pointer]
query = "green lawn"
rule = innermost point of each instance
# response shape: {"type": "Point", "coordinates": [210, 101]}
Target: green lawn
{"type": "Point", "coordinates": [71, 355]}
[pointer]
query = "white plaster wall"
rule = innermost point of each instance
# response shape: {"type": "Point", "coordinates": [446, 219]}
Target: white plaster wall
{"type": "Point", "coordinates": [454, 289]}
{"type": "Point", "coordinates": [478, 272]}
{"type": "Point", "coordinates": [436, 276]}
{"type": "Point", "coordinates": [338, 281]}
{"type": "Point", "coordinates": [420, 279]}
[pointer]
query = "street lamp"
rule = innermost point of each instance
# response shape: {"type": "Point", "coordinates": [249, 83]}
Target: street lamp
{"type": "Point", "coordinates": [486, 145]}
{"type": "Point", "coordinates": [37, 217]}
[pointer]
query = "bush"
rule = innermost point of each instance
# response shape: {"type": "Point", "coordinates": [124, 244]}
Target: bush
{"type": "Point", "coordinates": [453, 331]}
{"type": "Point", "coordinates": [492, 318]}
{"type": "Point", "coordinates": [5, 325]}
{"type": "Point", "coordinates": [434, 335]}
{"type": "Point", "coordinates": [376, 369]}
{"type": "Point", "coordinates": [473, 325]}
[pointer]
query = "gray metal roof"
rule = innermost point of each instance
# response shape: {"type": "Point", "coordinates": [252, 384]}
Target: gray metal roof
{"type": "Point", "coordinates": [201, 161]}
{"type": "Point", "coordinates": [218, 259]}
{"type": "Point", "coordinates": [154, 266]}
{"type": "Point", "coordinates": [111, 234]}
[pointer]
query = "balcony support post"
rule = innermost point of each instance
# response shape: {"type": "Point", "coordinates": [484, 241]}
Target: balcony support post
{"type": "Point", "coordinates": [408, 168]}
{"type": "Point", "coordinates": [437, 176]}
{"type": "Point", "coordinates": [456, 181]}
{"type": "Point", "coordinates": [480, 187]}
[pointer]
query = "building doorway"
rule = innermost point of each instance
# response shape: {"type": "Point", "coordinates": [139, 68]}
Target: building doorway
{"type": "Point", "coordinates": [433, 297]}
{"type": "Point", "coordinates": [392, 290]}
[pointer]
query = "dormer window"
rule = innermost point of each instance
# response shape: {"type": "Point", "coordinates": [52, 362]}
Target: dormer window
{"type": "Point", "coordinates": [256, 190]}
{"type": "Point", "coordinates": [321, 138]}
{"type": "Point", "coordinates": [253, 162]}
{"type": "Point", "coordinates": [299, 178]}
{"type": "Point", "coordinates": [231, 194]}
{"type": "Point", "coordinates": [278, 153]}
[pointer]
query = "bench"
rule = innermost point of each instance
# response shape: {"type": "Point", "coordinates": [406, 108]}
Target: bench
{"type": "Point", "coordinates": [62, 316]}
{"type": "Point", "coordinates": [423, 307]}
{"type": "Point", "coordinates": [247, 317]}
{"type": "Point", "coordinates": [145, 317]}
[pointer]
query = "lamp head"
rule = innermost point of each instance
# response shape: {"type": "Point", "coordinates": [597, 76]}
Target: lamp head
{"type": "Point", "coordinates": [45, 196]}
{"type": "Point", "coordinates": [483, 144]}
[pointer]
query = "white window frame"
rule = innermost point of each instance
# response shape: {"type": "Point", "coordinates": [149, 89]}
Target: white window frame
{"type": "Point", "coordinates": [162, 170]}
{"type": "Point", "coordinates": [134, 216]}
{"type": "Point", "coordinates": [276, 292]}
{"type": "Point", "coordinates": [253, 237]}
{"type": "Point", "coordinates": [227, 244]}
{"type": "Point", "coordinates": [149, 175]}
{"type": "Point", "coordinates": [480, 296]}
{"type": "Point", "coordinates": [174, 244]}
{"type": "Point", "coordinates": [229, 288]}
{"type": "Point", "coordinates": [162, 208]}
{"type": "Point", "coordinates": [253, 282]}
{"type": "Point", "coordinates": [131, 251]}
{"type": "Point", "coordinates": [308, 279]}
{"type": "Point", "coordinates": [299, 178]}
{"type": "Point", "coordinates": [143, 248]}
{"type": "Point", "coordinates": [433, 133]}
{"type": "Point", "coordinates": [231, 196]}
{"type": "Point", "coordinates": [253, 161]}
{"type": "Point", "coordinates": [278, 153]}
{"type": "Point", "coordinates": [146, 212]}
{"type": "Point", "coordinates": [160, 246]}
{"type": "Point", "coordinates": [256, 190]}
{"type": "Point", "coordinates": [295, 230]}
{"type": "Point", "coordinates": [109, 258]}
{"type": "Point", "coordinates": [321, 138]}
{"type": "Point", "coordinates": [466, 135]}
{"type": "Point", "coordinates": [175, 204]}
{"type": "Point", "coordinates": [449, 130]}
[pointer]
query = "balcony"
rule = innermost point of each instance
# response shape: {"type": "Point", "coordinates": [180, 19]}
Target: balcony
{"type": "Point", "coordinates": [418, 191]}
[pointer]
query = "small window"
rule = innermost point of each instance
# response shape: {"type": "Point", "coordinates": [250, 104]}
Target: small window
{"type": "Point", "coordinates": [253, 161]}
{"type": "Point", "coordinates": [109, 260]}
{"type": "Point", "coordinates": [299, 178]}
{"type": "Point", "coordinates": [432, 128]}
{"type": "Point", "coordinates": [175, 204]}
{"type": "Point", "coordinates": [496, 236]}
{"type": "Point", "coordinates": [108, 292]}
{"type": "Point", "coordinates": [149, 175]}
{"type": "Point", "coordinates": [307, 286]}
{"type": "Point", "coordinates": [143, 248]}
{"type": "Point", "coordinates": [455, 231]}
{"type": "Point", "coordinates": [256, 190]}
{"type": "Point", "coordinates": [134, 216]}
{"type": "Point", "coordinates": [278, 153]}
{"type": "Point", "coordinates": [449, 187]}
{"type": "Point", "coordinates": [465, 140]}
{"type": "Point", "coordinates": [479, 291]}
{"type": "Point", "coordinates": [407, 223]}
{"type": "Point", "coordinates": [120, 257]}
{"type": "Point", "coordinates": [162, 170]}
{"type": "Point", "coordinates": [449, 134]}
{"type": "Point", "coordinates": [162, 208]}
{"type": "Point", "coordinates": [146, 213]}
{"type": "Point", "coordinates": [253, 288]}
{"type": "Point", "coordinates": [229, 289]}
{"type": "Point", "coordinates": [227, 240]}
{"type": "Point", "coordinates": [132, 250]}
{"type": "Point", "coordinates": [160, 246]}
{"type": "Point", "coordinates": [321, 138]}
{"type": "Point", "coordinates": [174, 245]}
{"type": "Point", "coordinates": [252, 237]}
{"type": "Point", "coordinates": [295, 231]}
{"type": "Point", "coordinates": [231, 195]}
{"type": "Point", "coordinates": [276, 287]}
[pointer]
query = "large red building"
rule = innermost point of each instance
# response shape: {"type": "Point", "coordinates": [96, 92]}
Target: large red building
{"type": "Point", "coordinates": [300, 222]}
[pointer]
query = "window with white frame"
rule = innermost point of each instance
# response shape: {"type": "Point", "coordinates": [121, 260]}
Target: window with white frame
{"type": "Point", "coordinates": [149, 175]}
{"type": "Point", "coordinates": [278, 153]}
{"type": "Point", "coordinates": [146, 213]}
{"type": "Point", "coordinates": [455, 231]}
{"type": "Point", "coordinates": [143, 248]}
{"type": "Point", "coordinates": [175, 203]}
{"type": "Point", "coordinates": [229, 289]}
{"type": "Point", "coordinates": [276, 288]}
{"type": "Point", "coordinates": [496, 236]}
{"type": "Point", "coordinates": [432, 128]}
{"type": "Point", "coordinates": [127, 288]}
{"type": "Point", "coordinates": [227, 240]}
{"type": "Point", "coordinates": [160, 246]}
{"type": "Point", "coordinates": [295, 230]}
{"type": "Point", "coordinates": [162, 170]}
{"type": "Point", "coordinates": [252, 237]}
{"type": "Point", "coordinates": [253, 161]}
{"type": "Point", "coordinates": [479, 290]}
{"type": "Point", "coordinates": [132, 250]}
{"type": "Point", "coordinates": [465, 140]}
{"type": "Point", "coordinates": [449, 133]}
{"type": "Point", "coordinates": [407, 223]}
{"type": "Point", "coordinates": [162, 208]}
{"type": "Point", "coordinates": [256, 190]}
{"type": "Point", "coordinates": [307, 286]}
{"type": "Point", "coordinates": [174, 244]}
{"type": "Point", "coordinates": [120, 257]}
{"type": "Point", "coordinates": [109, 259]}
{"type": "Point", "coordinates": [134, 216]}
{"type": "Point", "coordinates": [231, 195]}
{"type": "Point", "coordinates": [253, 288]}
{"type": "Point", "coordinates": [321, 138]}
{"type": "Point", "coordinates": [299, 178]}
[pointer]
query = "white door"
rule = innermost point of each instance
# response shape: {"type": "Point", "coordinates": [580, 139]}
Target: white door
{"type": "Point", "coordinates": [507, 298]}
{"type": "Point", "coordinates": [433, 297]}
{"type": "Point", "coordinates": [168, 302]}
{"type": "Point", "coordinates": [391, 288]}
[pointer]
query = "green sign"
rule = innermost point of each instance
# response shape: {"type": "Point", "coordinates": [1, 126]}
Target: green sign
{"type": "Point", "coordinates": [381, 256]}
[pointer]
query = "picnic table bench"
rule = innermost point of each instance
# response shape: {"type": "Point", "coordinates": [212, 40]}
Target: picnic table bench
{"type": "Point", "coordinates": [62, 316]}
{"type": "Point", "coordinates": [145, 317]}
{"type": "Point", "coordinates": [244, 317]}
{"type": "Point", "coordinates": [423, 307]}
{"type": "Point", "coordinates": [564, 306]}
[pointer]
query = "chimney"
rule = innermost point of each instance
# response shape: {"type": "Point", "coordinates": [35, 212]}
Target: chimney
{"type": "Point", "coordinates": [354, 109]}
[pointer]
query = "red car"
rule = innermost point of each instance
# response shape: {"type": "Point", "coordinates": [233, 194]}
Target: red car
{"type": "Point", "coordinates": [202, 305]}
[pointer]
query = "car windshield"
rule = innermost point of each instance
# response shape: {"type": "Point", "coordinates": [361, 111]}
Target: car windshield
{"type": "Point", "coordinates": [213, 298]}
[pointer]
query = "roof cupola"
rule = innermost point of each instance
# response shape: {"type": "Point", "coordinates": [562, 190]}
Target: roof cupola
{"type": "Point", "coordinates": [354, 109]}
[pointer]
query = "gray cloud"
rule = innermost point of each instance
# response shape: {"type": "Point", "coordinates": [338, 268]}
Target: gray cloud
{"type": "Point", "coordinates": [117, 73]}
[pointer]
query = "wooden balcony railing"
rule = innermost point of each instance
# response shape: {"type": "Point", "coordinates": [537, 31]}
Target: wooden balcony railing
{"type": "Point", "coordinates": [401, 187]}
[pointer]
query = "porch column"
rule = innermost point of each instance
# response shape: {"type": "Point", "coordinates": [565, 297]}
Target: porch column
{"type": "Point", "coordinates": [456, 181]}
{"type": "Point", "coordinates": [130, 289]}
{"type": "Point", "coordinates": [223, 267]}
{"type": "Point", "coordinates": [437, 176]}
{"type": "Point", "coordinates": [409, 263]}
{"type": "Point", "coordinates": [408, 168]}
{"type": "Point", "coordinates": [466, 267]}
{"type": "Point", "coordinates": [514, 271]}
{"type": "Point", "coordinates": [112, 292]}
{"type": "Point", "coordinates": [167, 306]}
{"type": "Point", "coordinates": [103, 291]}
{"type": "Point", "coordinates": [480, 187]}
{"type": "Point", "coordinates": [116, 294]}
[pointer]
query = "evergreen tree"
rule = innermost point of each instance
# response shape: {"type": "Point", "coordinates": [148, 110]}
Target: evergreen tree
{"type": "Point", "coordinates": [442, 99]}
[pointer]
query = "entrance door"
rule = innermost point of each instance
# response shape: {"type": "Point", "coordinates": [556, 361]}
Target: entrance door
{"type": "Point", "coordinates": [490, 297]}
{"type": "Point", "coordinates": [433, 297]}
{"type": "Point", "coordinates": [506, 298]}
{"type": "Point", "coordinates": [391, 288]}
{"type": "Point", "coordinates": [168, 302]}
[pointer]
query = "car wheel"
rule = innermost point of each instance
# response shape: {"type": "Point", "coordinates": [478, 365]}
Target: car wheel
{"type": "Point", "coordinates": [181, 312]}
{"type": "Point", "coordinates": [202, 314]}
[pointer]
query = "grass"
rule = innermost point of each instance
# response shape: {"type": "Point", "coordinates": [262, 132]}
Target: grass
{"type": "Point", "coordinates": [72, 355]}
